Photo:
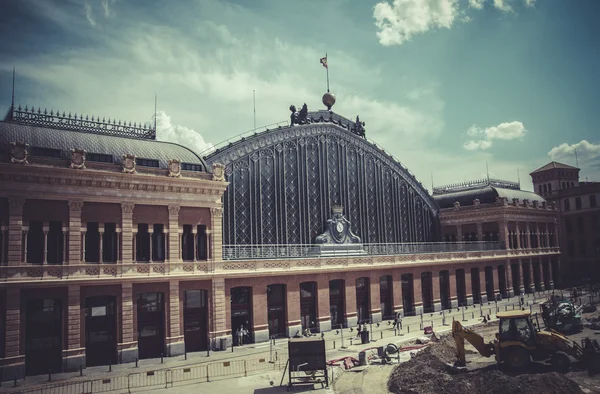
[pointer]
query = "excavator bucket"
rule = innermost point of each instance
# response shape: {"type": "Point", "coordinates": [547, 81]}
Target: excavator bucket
{"type": "Point", "coordinates": [591, 355]}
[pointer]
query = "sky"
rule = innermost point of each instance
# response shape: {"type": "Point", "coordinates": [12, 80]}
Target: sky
{"type": "Point", "coordinates": [445, 86]}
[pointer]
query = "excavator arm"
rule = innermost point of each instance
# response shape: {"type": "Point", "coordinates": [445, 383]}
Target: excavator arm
{"type": "Point", "coordinates": [461, 333]}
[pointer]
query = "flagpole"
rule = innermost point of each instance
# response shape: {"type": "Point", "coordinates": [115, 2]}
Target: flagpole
{"type": "Point", "coordinates": [327, 68]}
{"type": "Point", "coordinates": [254, 100]}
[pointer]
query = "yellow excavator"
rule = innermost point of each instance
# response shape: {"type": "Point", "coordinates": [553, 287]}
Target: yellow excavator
{"type": "Point", "coordinates": [518, 341]}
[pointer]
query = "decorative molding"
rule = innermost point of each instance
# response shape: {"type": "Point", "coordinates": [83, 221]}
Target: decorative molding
{"type": "Point", "coordinates": [457, 206]}
{"type": "Point", "coordinates": [127, 207]}
{"type": "Point", "coordinates": [174, 168]}
{"type": "Point", "coordinates": [476, 203]}
{"type": "Point", "coordinates": [129, 164]}
{"type": "Point", "coordinates": [218, 172]}
{"type": "Point", "coordinates": [174, 210]}
{"type": "Point", "coordinates": [18, 153]}
{"type": "Point", "coordinates": [16, 203]}
{"type": "Point", "coordinates": [216, 211]}
{"type": "Point", "coordinates": [78, 158]}
{"type": "Point", "coordinates": [75, 206]}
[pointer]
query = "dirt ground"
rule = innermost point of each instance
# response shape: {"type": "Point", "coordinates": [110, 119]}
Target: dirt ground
{"type": "Point", "coordinates": [428, 372]}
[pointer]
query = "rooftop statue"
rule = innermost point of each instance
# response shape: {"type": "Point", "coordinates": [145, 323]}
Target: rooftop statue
{"type": "Point", "coordinates": [338, 230]}
{"type": "Point", "coordinates": [299, 117]}
{"type": "Point", "coordinates": [359, 128]}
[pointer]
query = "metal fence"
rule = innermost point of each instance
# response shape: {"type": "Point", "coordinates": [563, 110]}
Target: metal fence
{"type": "Point", "coordinates": [245, 252]}
{"type": "Point", "coordinates": [166, 378]}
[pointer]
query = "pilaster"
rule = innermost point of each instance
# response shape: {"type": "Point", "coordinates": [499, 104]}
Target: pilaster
{"type": "Point", "coordinates": [293, 307]}
{"type": "Point", "coordinates": [15, 231]}
{"type": "Point", "coordinates": [375, 297]}
{"type": "Point", "coordinates": [175, 339]}
{"type": "Point", "coordinates": [218, 326]}
{"type": "Point", "coordinates": [75, 208]}
{"type": "Point", "coordinates": [351, 314]}
{"type": "Point", "coordinates": [453, 289]}
{"type": "Point", "coordinates": [74, 355]}
{"type": "Point", "coordinates": [259, 313]}
{"type": "Point", "coordinates": [13, 363]}
{"type": "Point", "coordinates": [435, 286]}
{"type": "Point", "coordinates": [323, 311]}
{"type": "Point", "coordinates": [479, 231]}
{"type": "Point", "coordinates": [127, 348]}
{"type": "Point", "coordinates": [173, 235]}
{"type": "Point", "coordinates": [482, 285]}
{"type": "Point", "coordinates": [127, 247]}
{"type": "Point", "coordinates": [215, 235]}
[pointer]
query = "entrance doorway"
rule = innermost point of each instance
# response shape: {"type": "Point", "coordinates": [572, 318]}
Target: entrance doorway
{"type": "Point", "coordinates": [337, 307]}
{"type": "Point", "coordinates": [241, 312]}
{"type": "Point", "coordinates": [386, 298]}
{"type": "Point", "coordinates": [100, 330]}
{"type": "Point", "coordinates": [408, 299]}
{"type": "Point", "coordinates": [195, 320]}
{"type": "Point", "coordinates": [362, 300]}
{"type": "Point", "coordinates": [308, 306]}
{"type": "Point", "coordinates": [151, 325]}
{"type": "Point", "coordinates": [276, 310]}
{"type": "Point", "coordinates": [43, 336]}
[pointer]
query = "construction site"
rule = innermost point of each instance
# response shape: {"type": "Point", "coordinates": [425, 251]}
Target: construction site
{"type": "Point", "coordinates": [549, 349]}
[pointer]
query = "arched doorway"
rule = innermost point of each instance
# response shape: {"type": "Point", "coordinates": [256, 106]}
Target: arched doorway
{"type": "Point", "coordinates": [308, 306]}
{"type": "Point", "coordinates": [337, 307]}
{"type": "Point", "coordinates": [195, 320]}
{"type": "Point", "coordinates": [408, 298]}
{"type": "Point", "coordinates": [386, 298]}
{"type": "Point", "coordinates": [241, 311]}
{"type": "Point", "coordinates": [362, 300]}
{"type": "Point", "coordinates": [43, 336]}
{"type": "Point", "coordinates": [276, 310]}
{"type": "Point", "coordinates": [100, 330]}
{"type": "Point", "coordinates": [151, 325]}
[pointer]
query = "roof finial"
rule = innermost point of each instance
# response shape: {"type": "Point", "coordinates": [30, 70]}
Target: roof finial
{"type": "Point", "coordinates": [155, 100]}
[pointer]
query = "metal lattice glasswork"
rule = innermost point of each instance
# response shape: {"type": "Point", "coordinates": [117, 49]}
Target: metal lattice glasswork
{"type": "Point", "coordinates": [284, 182]}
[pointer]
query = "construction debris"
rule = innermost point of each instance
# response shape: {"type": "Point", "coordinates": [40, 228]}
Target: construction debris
{"type": "Point", "coordinates": [430, 371]}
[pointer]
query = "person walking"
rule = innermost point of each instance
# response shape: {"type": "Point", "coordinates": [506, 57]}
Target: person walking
{"type": "Point", "coordinates": [241, 333]}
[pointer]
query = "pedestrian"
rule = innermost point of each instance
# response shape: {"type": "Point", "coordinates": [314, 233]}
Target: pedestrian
{"type": "Point", "coordinates": [399, 321]}
{"type": "Point", "coordinates": [395, 321]}
{"type": "Point", "coordinates": [358, 328]}
{"type": "Point", "coordinates": [241, 332]}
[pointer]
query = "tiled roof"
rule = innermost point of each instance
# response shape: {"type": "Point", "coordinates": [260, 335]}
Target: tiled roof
{"type": "Point", "coordinates": [65, 140]}
{"type": "Point", "coordinates": [552, 165]}
{"type": "Point", "coordinates": [485, 194]}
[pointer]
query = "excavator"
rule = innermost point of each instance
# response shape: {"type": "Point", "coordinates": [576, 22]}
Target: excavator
{"type": "Point", "coordinates": [519, 341]}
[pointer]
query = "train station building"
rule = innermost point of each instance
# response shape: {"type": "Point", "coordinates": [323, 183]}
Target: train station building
{"type": "Point", "coordinates": [115, 246]}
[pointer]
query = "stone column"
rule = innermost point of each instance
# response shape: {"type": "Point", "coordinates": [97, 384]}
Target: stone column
{"type": "Point", "coordinates": [435, 285]}
{"type": "Point", "coordinates": [459, 233]}
{"type": "Point", "coordinates": [468, 285]}
{"type": "Point", "coordinates": [175, 339]}
{"type": "Point", "coordinates": [323, 311]}
{"type": "Point", "coordinates": [75, 247]}
{"type": "Point", "coordinates": [509, 282]}
{"type": "Point", "coordinates": [542, 278]}
{"type": "Point", "coordinates": [195, 235]}
{"type": "Point", "coordinates": [479, 231]}
{"type": "Point", "coordinates": [180, 243]}
{"type": "Point", "coordinates": [150, 232]}
{"type": "Point", "coordinates": [82, 240]}
{"type": "Point", "coordinates": [65, 233]}
{"type": "Point", "coordinates": [518, 231]}
{"type": "Point", "coordinates": [118, 258]}
{"type": "Point", "coordinates": [15, 231]}
{"type": "Point", "coordinates": [538, 235]}
{"type": "Point", "coordinates": [504, 234]}
{"type": "Point", "coordinates": [527, 237]}
{"type": "Point", "coordinates": [127, 347]}
{"type": "Point", "coordinates": [556, 237]}
{"type": "Point", "coordinates": [550, 277]}
{"type": "Point", "coordinates": [453, 288]}
{"type": "Point", "coordinates": [101, 243]}
{"type": "Point", "coordinates": [375, 298]}
{"type": "Point", "coordinates": [46, 229]}
{"type": "Point", "coordinates": [127, 237]}
{"type": "Point", "coordinates": [521, 278]}
{"type": "Point", "coordinates": [259, 312]}
{"type": "Point", "coordinates": [216, 233]}
{"type": "Point", "coordinates": [134, 234]}
{"type": "Point", "coordinates": [24, 233]}
{"type": "Point", "coordinates": [482, 285]}
{"type": "Point", "coordinates": [166, 245]}
{"type": "Point", "coordinates": [294, 324]}
{"type": "Point", "coordinates": [174, 249]}
{"type": "Point", "coordinates": [74, 355]}
{"type": "Point", "coordinates": [531, 276]}
{"type": "Point", "coordinates": [218, 314]}
{"type": "Point", "coordinates": [14, 354]}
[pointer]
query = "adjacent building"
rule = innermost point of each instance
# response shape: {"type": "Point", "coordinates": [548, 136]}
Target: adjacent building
{"type": "Point", "coordinates": [117, 246]}
{"type": "Point", "coordinates": [577, 202]}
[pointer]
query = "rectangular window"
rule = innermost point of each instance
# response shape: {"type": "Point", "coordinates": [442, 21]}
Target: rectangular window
{"type": "Point", "coordinates": [46, 152]}
{"type": "Point", "coordinates": [567, 205]}
{"type": "Point", "coordinates": [578, 203]}
{"type": "Point", "coordinates": [191, 167]}
{"type": "Point", "coordinates": [99, 157]}
{"type": "Point", "coordinates": [593, 201]}
{"type": "Point", "coordinates": [147, 162]}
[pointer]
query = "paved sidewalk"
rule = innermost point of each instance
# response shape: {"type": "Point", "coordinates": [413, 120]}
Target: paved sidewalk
{"type": "Point", "coordinates": [381, 335]}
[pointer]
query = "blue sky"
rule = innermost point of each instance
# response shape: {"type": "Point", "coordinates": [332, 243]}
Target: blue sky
{"type": "Point", "coordinates": [443, 85]}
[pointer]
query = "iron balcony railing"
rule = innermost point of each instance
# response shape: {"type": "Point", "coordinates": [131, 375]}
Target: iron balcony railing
{"type": "Point", "coordinates": [248, 252]}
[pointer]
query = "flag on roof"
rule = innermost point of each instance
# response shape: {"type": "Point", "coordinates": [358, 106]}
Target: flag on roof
{"type": "Point", "coordinates": [324, 61]}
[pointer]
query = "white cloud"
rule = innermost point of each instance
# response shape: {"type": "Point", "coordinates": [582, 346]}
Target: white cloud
{"type": "Point", "coordinates": [504, 131]}
{"type": "Point", "coordinates": [88, 14]}
{"type": "Point", "coordinates": [502, 5]}
{"type": "Point", "coordinates": [477, 4]}
{"type": "Point", "coordinates": [398, 22]}
{"type": "Point", "coordinates": [529, 3]}
{"type": "Point", "coordinates": [585, 151]}
{"type": "Point", "coordinates": [168, 132]}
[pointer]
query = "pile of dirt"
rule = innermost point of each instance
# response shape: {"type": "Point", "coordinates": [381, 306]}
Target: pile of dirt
{"type": "Point", "coordinates": [428, 373]}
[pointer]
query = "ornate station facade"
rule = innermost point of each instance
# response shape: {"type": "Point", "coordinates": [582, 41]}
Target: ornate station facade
{"type": "Point", "coordinates": [115, 246]}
